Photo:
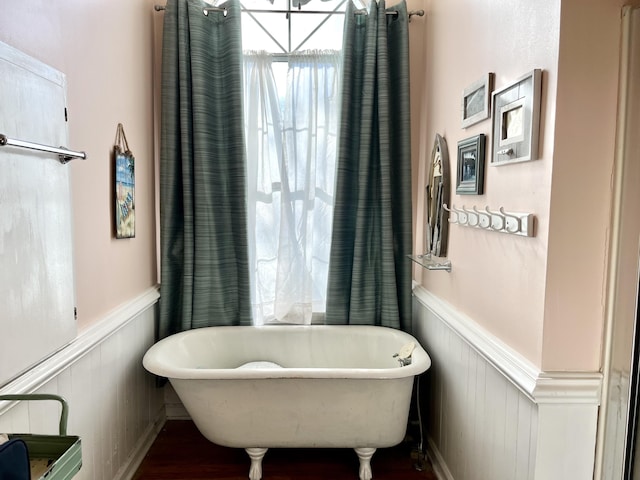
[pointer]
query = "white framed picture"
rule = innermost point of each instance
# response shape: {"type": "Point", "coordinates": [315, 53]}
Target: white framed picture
{"type": "Point", "coordinates": [476, 100]}
{"type": "Point", "coordinates": [516, 120]}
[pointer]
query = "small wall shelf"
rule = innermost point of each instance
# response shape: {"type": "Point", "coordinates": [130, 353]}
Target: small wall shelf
{"type": "Point", "coordinates": [432, 263]}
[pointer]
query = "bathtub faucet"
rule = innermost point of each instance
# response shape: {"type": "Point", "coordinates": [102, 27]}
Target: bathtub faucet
{"type": "Point", "coordinates": [404, 355]}
{"type": "Point", "coordinates": [402, 361]}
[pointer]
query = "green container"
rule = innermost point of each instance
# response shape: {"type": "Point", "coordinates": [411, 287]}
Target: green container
{"type": "Point", "coordinates": [61, 454]}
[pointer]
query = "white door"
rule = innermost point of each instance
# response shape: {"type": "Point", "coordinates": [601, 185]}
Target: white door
{"type": "Point", "coordinates": [36, 263]}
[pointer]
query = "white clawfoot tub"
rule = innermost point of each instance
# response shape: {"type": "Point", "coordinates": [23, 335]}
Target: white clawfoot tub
{"type": "Point", "coordinates": [326, 386]}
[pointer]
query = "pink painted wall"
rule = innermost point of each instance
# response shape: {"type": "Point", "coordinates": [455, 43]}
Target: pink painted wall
{"type": "Point", "coordinates": [582, 183]}
{"type": "Point", "coordinates": [543, 296]}
{"type": "Point", "coordinates": [105, 49]}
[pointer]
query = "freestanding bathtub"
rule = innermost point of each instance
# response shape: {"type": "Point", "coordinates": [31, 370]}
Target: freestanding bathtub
{"type": "Point", "coordinates": [293, 386]}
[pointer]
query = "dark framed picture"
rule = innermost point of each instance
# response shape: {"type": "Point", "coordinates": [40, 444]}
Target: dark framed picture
{"type": "Point", "coordinates": [516, 120]}
{"type": "Point", "coordinates": [470, 180]}
{"type": "Point", "coordinates": [476, 101]}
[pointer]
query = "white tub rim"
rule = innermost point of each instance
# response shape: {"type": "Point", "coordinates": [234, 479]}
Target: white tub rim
{"type": "Point", "coordinates": [155, 362]}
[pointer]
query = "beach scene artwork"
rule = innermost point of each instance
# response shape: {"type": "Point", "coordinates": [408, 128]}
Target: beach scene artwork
{"type": "Point", "coordinates": [125, 196]}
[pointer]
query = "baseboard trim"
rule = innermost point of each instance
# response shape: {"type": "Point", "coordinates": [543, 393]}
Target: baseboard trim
{"type": "Point", "coordinates": [437, 462]}
{"type": "Point", "coordinates": [129, 469]}
{"type": "Point", "coordinates": [541, 387]}
{"type": "Point", "coordinates": [50, 367]}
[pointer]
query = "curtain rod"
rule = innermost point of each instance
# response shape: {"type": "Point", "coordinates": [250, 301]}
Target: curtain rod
{"type": "Point", "coordinates": [206, 10]}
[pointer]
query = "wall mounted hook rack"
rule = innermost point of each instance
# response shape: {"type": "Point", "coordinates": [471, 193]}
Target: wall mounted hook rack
{"type": "Point", "coordinates": [522, 224]}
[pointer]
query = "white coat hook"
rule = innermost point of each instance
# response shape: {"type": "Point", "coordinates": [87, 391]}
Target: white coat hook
{"type": "Point", "coordinates": [522, 224]}
{"type": "Point", "coordinates": [497, 220]}
{"type": "Point", "coordinates": [515, 223]}
{"type": "Point", "coordinates": [444, 205]}
{"type": "Point", "coordinates": [484, 220]}
{"type": "Point", "coordinates": [472, 218]}
{"type": "Point", "coordinates": [463, 218]}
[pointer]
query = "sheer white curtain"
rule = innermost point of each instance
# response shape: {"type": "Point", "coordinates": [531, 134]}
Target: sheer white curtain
{"type": "Point", "coordinates": [291, 152]}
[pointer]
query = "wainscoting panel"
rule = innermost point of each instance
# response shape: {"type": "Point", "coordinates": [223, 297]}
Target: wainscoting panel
{"type": "Point", "coordinates": [114, 405]}
{"type": "Point", "coordinates": [491, 415]}
{"type": "Point", "coordinates": [479, 425]}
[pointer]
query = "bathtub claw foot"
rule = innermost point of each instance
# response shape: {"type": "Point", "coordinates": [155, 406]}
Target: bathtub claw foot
{"type": "Point", "coordinates": [256, 455]}
{"type": "Point", "coordinates": [365, 454]}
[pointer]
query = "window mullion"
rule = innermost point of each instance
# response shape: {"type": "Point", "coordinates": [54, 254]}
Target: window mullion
{"type": "Point", "coordinates": [266, 31]}
{"type": "Point", "coordinates": [311, 34]}
{"type": "Point", "coordinates": [284, 39]}
{"type": "Point", "coordinates": [326, 19]}
{"type": "Point", "coordinates": [289, 18]}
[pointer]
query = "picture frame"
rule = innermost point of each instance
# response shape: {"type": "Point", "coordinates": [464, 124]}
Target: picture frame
{"type": "Point", "coordinates": [516, 120]}
{"type": "Point", "coordinates": [476, 101]}
{"type": "Point", "coordinates": [125, 185]}
{"type": "Point", "coordinates": [471, 158]}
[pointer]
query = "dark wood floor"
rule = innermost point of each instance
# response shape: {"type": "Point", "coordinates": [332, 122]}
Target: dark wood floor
{"type": "Point", "coordinates": [181, 453]}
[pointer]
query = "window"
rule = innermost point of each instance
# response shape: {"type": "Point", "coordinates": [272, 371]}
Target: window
{"type": "Point", "coordinates": [287, 26]}
{"type": "Point", "coordinates": [292, 72]}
